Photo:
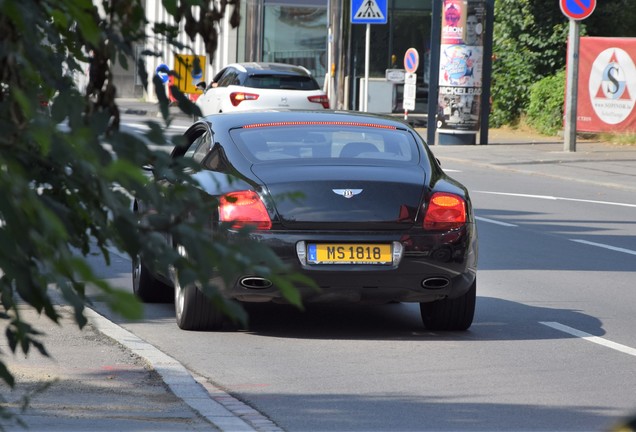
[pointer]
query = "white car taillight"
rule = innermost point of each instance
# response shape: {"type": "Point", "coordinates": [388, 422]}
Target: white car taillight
{"type": "Point", "coordinates": [238, 97]}
{"type": "Point", "coordinates": [321, 99]}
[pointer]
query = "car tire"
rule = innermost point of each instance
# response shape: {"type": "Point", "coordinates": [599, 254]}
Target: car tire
{"type": "Point", "coordinates": [194, 310]}
{"type": "Point", "coordinates": [147, 287]}
{"type": "Point", "coordinates": [450, 314]}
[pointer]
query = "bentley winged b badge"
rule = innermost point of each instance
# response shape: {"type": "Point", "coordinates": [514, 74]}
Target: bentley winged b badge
{"type": "Point", "coordinates": [347, 193]}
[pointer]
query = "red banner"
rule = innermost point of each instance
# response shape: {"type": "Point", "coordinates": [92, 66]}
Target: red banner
{"type": "Point", "coordinates": [607, 85]}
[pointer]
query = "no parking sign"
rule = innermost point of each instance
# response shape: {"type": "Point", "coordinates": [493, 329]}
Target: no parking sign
{"type": "Point", "coordinates": [577, 9]}
{"type": "Point", "coordinates": [411, 60]}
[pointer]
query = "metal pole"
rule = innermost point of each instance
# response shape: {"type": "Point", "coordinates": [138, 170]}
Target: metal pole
{"type": "Point", "coordinates": [571, 94]}
{"type": "Point", "coordinates": [486, 73]}
{"type": "Point", "coordinates": [433, 85]}
{"type": "Point", "coordinates": [367, 52]}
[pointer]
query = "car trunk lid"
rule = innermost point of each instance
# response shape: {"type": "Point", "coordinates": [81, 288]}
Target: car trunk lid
{"type": "Point", "coordinates": [344, 197]}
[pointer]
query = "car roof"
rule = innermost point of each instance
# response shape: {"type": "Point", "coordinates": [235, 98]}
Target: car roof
{"type": "Point", "coordinates": [257, 68]}
{"type": "Point", "coordinates": [231, 120]}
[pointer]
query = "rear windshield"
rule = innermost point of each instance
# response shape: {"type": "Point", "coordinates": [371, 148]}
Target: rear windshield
{"type": "Point", "coordinates": [349, 144]}
{"type": "Point", "coordinates": [287, 82]}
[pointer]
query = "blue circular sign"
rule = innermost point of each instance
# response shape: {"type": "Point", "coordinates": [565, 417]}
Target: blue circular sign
{"type": "Point", "coordinates": [162, 71]}
{"type": "Point", "coordinates": [577, 9]}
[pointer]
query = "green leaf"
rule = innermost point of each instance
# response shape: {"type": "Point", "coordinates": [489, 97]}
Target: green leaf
{"type": "Point", "coordinates": [6, 376]}
{"type": "Point", "coordinates": [170, 6]}
{"type": "Point", "coordinates": [88, 27]}
{"type": "Point", "coordinates": [186, 105]}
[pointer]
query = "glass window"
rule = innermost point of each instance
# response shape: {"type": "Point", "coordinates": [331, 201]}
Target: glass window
{"type": "Point", "coordinates": [347, 144]}
{"type": "Point", "coordinates": [230, 77]}
{"type": "Point", "coordinates": [288, 82]}
{"type": "Point", "coordinates": [409, 26]}
{"type": "Point", "coordinates": [296, 35]}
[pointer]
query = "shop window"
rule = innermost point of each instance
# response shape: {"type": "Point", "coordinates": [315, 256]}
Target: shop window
{"type": "Point", "coordinates": [296, 35]}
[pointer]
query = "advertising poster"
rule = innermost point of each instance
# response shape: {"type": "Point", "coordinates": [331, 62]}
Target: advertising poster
{"type": "Point", "coordinates": [606, 85]}
{"type": "Point", "coordinates": [461, 60]}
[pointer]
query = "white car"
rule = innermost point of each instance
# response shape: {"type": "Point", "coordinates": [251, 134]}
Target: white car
{"type": "Point", "coordinates": [250, 86]}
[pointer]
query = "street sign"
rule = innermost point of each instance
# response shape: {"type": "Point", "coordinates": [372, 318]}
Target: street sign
{"type": "Point", "coordinates": [577, 9]}
{"type": "Point", "coordinates": [410, 78]}
{"type": "Point", "coordinates": [408, 104]}
{"type": "Point", "coordinates": [410, 91]}
{"type": "Point", "coordinates": [190, 70]}
{"type": "Point", "coordinates": [411, 60]}
{"type": "Point", "coordinates": [394, 75]}
{"type": "Point", "coordinates": [369, 12]}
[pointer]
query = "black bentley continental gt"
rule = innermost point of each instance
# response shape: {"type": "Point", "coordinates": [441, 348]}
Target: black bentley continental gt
{"type": "Point", "coordinates": [375, 218]}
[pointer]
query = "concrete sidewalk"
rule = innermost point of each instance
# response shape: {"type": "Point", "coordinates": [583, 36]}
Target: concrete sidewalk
{"type": "Point", "coordinates": [598, 163]}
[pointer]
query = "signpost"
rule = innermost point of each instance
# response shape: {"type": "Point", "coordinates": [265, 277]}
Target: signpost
{"type": "Point", "coordinates": [410, 90]}
{"type": "Point", "coordinates": [368, 12]}
{"type": "Point", "coordinates": [575, 10]}
{"type": "Point", "coordinates": [411, 62]}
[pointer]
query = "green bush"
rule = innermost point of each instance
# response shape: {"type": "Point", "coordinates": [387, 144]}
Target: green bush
{"type": "Point", "coordinates": [545, 110]}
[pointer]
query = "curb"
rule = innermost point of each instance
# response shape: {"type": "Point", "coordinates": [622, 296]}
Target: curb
{"type": "Point", "coordinates": [222, 410]}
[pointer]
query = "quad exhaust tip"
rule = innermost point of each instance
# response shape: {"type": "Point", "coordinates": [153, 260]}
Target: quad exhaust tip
{"type": "Point", "coordinates": [254, 282]}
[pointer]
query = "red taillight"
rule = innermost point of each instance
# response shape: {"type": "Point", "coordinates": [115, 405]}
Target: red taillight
{"type": "Point", "coordinates": [321, 99]}
{"type": "Point", "coordinates": [244, 208]}
{"type": "Point", "coordinates": [445, 211]}
{"type": "Point", "coordinates": [238, 97]}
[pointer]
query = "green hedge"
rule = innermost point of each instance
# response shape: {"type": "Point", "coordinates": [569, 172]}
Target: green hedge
{"type": "Point", "coordinates": [545, 110]}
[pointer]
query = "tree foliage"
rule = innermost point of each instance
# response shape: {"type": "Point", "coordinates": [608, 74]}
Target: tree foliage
{"type": "Point", "coordinates": [67, 179]}
{"type": "Point", "coordinates": [530, 43]}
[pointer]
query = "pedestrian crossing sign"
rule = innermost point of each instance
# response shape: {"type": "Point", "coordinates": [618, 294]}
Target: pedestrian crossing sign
{"type": "Point", "coordinates": [369, 11]}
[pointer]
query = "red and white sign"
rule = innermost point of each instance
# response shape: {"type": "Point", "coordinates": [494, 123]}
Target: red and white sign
{"type": "Point", "coordinates": [411, 60]}
{"type": "Point", "coordinates": [607, 85]}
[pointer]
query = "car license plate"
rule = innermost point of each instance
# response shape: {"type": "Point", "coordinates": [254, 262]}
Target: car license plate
{"type": "Point", "coordinates": [354, 253]}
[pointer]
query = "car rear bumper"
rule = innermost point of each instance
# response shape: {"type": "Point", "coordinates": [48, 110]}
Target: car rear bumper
{"type": "Point", "coordinates": [433, 267]}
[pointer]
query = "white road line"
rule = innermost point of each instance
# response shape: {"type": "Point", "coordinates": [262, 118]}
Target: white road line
{"type": "Point", "coordinates": [553, 198]}
{"type": "Point", "coordinates": [604, 246]}
{"type": "Point", "coordinates": [492, 221]}
{"type": "Point", "coordinates": [590, 338]}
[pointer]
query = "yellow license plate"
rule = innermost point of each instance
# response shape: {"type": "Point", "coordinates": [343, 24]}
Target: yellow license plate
{"type": "Point", "coordinates": [355, 253]}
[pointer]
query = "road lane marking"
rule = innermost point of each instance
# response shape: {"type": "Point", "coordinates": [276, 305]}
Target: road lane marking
{"type": "Point", "coordinates": [553, 198]}
{"type": "Point", "coordinates": [496, 222]}
{"type": "Point", "coordinates": [604, 246]}
{"type": "Point", "coordinates": [590, 338]}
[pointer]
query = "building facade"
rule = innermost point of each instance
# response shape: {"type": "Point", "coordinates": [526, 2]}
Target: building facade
{"type": "Point", "coordinates": [317, 34]}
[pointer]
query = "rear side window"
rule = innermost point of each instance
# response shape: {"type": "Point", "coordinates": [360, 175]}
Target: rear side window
{"type": "Point", "coordinates": [231, 77]}
{"type": "Point", "coordinates": [349, 145]}
{"type": "Point", "coordinates": [287, 82]}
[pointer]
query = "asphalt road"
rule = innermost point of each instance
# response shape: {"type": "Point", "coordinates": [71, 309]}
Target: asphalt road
{"type": "Point", "coordinates": [552, 347]}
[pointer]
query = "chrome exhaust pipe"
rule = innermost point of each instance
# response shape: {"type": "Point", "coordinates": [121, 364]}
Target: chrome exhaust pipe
{"type": "Point", "coordinates": [435, 283]}
{"type": "Point", "coordinates": [255, 282]}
